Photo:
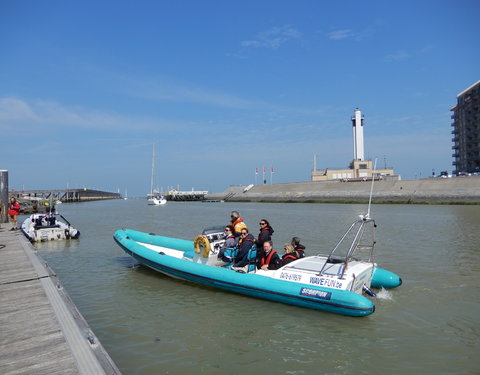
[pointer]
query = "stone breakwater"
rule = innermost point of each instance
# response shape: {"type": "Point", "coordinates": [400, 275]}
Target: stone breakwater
{"type": "Point", "coordinates": [458, 190]}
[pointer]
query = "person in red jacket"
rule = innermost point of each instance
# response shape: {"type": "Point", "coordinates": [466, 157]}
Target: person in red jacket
{"type": "Point", "coordinates": [270, 259]}
{"type": "Point", "coordinates": [13, 211]}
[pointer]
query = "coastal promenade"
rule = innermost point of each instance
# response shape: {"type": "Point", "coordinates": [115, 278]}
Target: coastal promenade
{"type": "Point", "coordinates": [457, 190]}
{"type": "Point", "coordinates": [41, 330]}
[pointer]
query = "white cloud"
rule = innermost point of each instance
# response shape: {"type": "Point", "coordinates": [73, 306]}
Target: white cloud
{"type": "Point", "coordinates": [273, 38]}
{"type": "Point", "coordinates": [49, 114]}
{"type": "Point", "coordinates": [340, 34]}
{"type": "Point", "coordinates": [398, 55]}
{"type": "Point", "coordinates": [12, 109]}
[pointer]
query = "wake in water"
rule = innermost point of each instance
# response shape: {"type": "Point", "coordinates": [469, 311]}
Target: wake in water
{"type": "Point", "coordinates": [384, 294]}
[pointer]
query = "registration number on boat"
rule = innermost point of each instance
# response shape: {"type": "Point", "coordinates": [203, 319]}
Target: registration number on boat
{"type": "Point", "coordinates": [290, 276]}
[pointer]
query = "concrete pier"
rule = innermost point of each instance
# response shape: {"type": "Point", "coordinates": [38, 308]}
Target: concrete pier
{"type": "Point", "coordinates": [41, 330]}
{"type": "Point", "coordinates": [458, 190]}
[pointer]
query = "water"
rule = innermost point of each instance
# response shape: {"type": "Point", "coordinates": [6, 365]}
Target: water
{"type": "Point", "coordinates": [153, 324]}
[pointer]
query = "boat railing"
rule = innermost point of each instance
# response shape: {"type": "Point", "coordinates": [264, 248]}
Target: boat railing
{"type": "Point", "coordinates": [357, 248]}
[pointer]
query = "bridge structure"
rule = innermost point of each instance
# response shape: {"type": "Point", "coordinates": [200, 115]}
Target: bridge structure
{"type": "Point", "coordinates": [64, 195]}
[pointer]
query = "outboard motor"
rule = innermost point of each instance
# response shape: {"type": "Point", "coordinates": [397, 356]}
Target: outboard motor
{"type": "Point", "coordinates": [369, 291]}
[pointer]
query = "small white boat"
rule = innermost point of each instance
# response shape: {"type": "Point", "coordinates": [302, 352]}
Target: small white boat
{"type": "Point", "coordinates": [48, 227]}
{"type": "Point", "coordinates": [158, 201]}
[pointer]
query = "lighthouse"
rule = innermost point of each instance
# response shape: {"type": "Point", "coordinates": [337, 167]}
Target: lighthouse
{"type": "Point", "coordinates": [357, 125]}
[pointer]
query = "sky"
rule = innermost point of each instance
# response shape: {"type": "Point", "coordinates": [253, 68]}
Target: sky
{"type": "Point", "coordinates": [219, 88]}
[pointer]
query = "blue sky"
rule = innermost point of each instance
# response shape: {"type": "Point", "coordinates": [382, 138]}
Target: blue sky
{"type": "Point", "coordinates": [224, 87]}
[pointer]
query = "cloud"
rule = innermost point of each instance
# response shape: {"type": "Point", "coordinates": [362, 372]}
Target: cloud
{"type": "Point", "coordinates": [272, 38]}
{"type": "Point", "coordinates": [350, 34]}
{"type": "Point", "coordinates": [398, 55]}
{"type": "Point", "coordinates": [49, 114]}
{"type": "Point", "coordinates": [12, 109]}
{"type": "Point", "coordinates": [340, 34]}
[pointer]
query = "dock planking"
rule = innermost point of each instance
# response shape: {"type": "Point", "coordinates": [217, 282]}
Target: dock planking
{"type": "Point", "coordinates": [41, 330]}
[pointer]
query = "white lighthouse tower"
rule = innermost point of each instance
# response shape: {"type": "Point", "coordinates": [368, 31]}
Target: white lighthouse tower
{"type": "Point", "coordinates": [357, 124]}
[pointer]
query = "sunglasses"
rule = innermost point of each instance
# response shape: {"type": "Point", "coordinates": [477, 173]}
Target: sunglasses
{"type": "Point", "coordinates": [244, 233]}
{"type": "Point", "coordinates": [262, 223]}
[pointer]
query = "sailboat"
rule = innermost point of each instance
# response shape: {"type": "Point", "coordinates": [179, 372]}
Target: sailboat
{"type": "Point", "coordinates": [154, 196]}
{"type": "Point", "coordinates": [126, 195]}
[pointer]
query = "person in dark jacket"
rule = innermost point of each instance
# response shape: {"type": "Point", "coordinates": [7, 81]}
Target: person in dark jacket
{"type": "Point", "coordinates": [299, 248]}
{"type": "Point", "coordinates": [270, 259]}
{"type": "Point", "coordinates": [265, 234]}
{"type": "Point", "coordinates": [246, 242]}
{"type": "Point", "coordinates": [289, 256]}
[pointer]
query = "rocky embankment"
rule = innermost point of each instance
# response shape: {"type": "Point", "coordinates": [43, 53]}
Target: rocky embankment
{"type": "Point", "coordinates": [458, 190]}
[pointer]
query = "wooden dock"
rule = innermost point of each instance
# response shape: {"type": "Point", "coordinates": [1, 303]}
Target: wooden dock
{"type": "Point", "coordinates": [41, 330]}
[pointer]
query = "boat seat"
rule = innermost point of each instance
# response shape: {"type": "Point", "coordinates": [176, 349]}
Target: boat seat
{"type": "Point", "coordinates": [252, 262]}
{"type": "Point", "coordinates": [46, 226]}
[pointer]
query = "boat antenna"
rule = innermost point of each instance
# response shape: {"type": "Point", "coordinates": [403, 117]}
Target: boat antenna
{"type": "Point", "coordinates": [367, 216]}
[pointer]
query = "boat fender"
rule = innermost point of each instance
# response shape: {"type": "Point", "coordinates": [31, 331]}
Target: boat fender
{"type": "Point", "coordinates": [67, 234]}
{"type": "Point", "coordinates": [201, 245]}
{"type": "Point", "coordinates": [369, 291]}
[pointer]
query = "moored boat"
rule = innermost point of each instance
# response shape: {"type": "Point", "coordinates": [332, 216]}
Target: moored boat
{"type": "Point", "coordinates": [48, 227]}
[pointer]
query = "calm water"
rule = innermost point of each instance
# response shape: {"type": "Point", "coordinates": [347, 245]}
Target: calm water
{"type": "Point", "coordinates": [151, 324]}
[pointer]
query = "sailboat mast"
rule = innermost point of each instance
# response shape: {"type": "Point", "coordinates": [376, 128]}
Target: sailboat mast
{"type": "Point", "coordinates": [153, 169]}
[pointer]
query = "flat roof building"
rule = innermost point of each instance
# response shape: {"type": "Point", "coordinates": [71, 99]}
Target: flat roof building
{"type": "Point", "coordinates": [466, 130]}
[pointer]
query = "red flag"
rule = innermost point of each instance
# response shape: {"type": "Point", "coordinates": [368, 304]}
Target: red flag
{"type": "Point", "coordinates": [264, 169]}
{"type": "Point", "coordinates": [256, 170]}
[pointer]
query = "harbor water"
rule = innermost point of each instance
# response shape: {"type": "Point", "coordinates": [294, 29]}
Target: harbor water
{"type": "Point", "coordinates": [152, 324]}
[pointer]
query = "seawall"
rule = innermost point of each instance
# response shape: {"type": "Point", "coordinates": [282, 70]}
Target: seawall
{"type": "Point", "coordinates": [458, 190]}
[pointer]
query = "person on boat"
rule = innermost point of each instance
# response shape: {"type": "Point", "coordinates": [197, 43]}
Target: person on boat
{"type": "Point", "coordinates": [265, 234]}
{"type": "Point", "coordinates": [299, 248]}
{"type": "Point", "coordinates": [246, 242]}
{"type": "Point", "coordinates": [289, 256]}
{"type": "Point", "coordinates": [13, 212]}
{"type": "Point", "coordinates": [237, 222]}
{"type": "Point", "coordinates": [270, 259]}
{"type": "Point", "coordinates": [229, 243]}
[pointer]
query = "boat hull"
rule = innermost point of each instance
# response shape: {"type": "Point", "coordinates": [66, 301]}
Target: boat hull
{"type": "Point", "coordinates": [385, 279]}
{"type": "Point", "coordinates": [319, 298]}
{"type": "Point", "coordinates": [47, 232]}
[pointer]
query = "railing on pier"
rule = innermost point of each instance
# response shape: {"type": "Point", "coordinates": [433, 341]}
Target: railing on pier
{"type": "Point", "coordinates": [68, 195]}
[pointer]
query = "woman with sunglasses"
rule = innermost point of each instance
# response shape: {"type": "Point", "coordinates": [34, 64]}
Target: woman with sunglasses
{"type": "Point", "coordinates": [229, 243]}
{"type": "Point", "coordinates": [265, 235]}
{"type": "Point", "coordinates": [246, 242]}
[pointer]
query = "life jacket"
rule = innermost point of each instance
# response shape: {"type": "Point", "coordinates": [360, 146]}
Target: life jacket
{"type": "Point", "coordinates": [299, 249]}
{"type": "Point", "coordinates": [246, 239]}
{"type": "Point", "coordinates": [267, 260]}
{"type": "Point", "coordinates": [290, 256]}
{"type": "Point", "coordinates": [238, 225]}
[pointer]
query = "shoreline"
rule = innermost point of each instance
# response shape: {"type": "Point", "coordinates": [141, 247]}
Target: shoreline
{"type": "Point", "coordinates": [454, 191]}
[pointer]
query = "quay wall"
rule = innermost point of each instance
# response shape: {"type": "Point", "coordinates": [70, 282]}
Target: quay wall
{"type": "Point", "coordinates": [458, 190]}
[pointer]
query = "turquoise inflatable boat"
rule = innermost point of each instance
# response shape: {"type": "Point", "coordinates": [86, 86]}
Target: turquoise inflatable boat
{"type": "Point", "coordinates": [330, 283]}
